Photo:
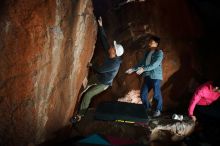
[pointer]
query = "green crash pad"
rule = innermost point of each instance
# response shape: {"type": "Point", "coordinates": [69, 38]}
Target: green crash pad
{"type": "Point", "coordinates": [112, 111]}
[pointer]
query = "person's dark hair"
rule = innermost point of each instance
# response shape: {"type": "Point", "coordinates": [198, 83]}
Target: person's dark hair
{"type": "Point", "coordinates": [215, 83]}
{"type": "Point", "coordinates": [156, 39]}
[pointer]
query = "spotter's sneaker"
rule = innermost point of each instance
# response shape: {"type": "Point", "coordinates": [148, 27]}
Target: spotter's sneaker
{"type": "Point", "coordinates": [156, 113]}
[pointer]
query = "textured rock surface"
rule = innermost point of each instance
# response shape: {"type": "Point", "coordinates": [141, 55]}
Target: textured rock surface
{"type": "Point", "coordinates": [167, 129]}
{"type": "Point", "coordinates": [46, 44]}
{"type": "Point", "coordinates": [44, 49]}
{"type": "Point", "coordinates": [179, 29]}
{"type": "Point", "coordinates": [133, 96]}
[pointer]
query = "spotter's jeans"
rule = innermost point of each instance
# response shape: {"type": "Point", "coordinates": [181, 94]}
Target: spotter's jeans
{"type": "Point", "coordinates": [146, 87]}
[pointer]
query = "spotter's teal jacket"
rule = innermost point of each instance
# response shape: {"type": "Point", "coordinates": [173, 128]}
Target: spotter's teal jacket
{"type": "Point", "coordinates": [154, 69]}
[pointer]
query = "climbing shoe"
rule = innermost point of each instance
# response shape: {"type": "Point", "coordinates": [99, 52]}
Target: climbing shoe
{"type": "Point", "coordinates": [75, 119]}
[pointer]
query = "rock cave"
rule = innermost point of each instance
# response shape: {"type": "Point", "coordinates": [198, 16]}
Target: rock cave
{"type": "Point", "coordinates": [45, 48]}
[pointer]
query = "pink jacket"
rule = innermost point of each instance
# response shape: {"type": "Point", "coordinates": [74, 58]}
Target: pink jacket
{"type": "Point", "coordinates": [204, 95]}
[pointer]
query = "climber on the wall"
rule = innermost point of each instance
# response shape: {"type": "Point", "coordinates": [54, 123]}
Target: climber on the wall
{"type": "Point", "coordinates": [205, 102]}
{"type": "Point", "coordinates": [105, 73]}
{"type": "Point", "coordinates": [151, 69]}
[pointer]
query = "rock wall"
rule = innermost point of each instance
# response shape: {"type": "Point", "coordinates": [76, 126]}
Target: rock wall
{"type": "Point", "coordinates": [45, 46]}
{"type": "Point", "coordinates": [179, 28]}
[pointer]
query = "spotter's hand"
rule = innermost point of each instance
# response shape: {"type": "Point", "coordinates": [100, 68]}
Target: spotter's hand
{"type": "Point", "coordinates": [100, 21]}
{"type": "Point", "coordinates": [140, 70]}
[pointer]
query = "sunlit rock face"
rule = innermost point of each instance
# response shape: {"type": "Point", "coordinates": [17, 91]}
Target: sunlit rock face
{"type": "Point", "coordinates": [132, 96]}
{"type": "Point", "coordinates": [44, 49]}
{"type": "Point", "coordinates": [179, 29]}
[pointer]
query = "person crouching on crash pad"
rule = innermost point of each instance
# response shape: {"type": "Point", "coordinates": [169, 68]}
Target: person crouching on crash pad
{"type": "Point", "coordinates": [204, 103]}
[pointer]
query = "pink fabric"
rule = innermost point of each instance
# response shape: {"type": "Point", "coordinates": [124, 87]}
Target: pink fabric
{"type": "Point", "coordinates": [204, 95]}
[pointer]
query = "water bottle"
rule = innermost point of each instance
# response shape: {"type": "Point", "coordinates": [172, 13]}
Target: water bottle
{"type": "Point", "coordinates": [177, 117]}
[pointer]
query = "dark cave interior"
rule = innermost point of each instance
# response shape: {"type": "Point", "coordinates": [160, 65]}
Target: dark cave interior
{"type": "Point", "coordinates": [45, 47]}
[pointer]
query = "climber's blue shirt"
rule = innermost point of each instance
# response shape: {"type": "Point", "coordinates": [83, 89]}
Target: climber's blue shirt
{"type": "Point", "coordinates": [109, 69]}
